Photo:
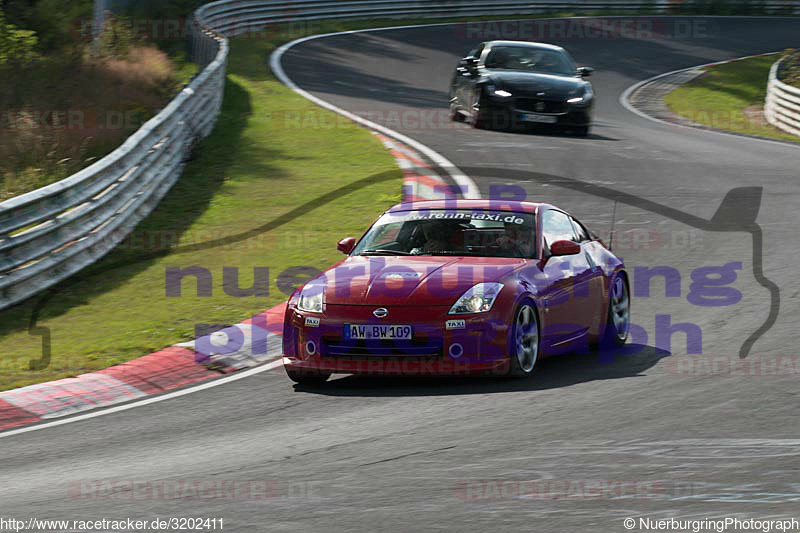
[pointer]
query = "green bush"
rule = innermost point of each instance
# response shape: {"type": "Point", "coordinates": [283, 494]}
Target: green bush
{"type": "Point", "coordinates": [16, 46]}
{"type": "Point", "coordinates": [790, 68]}
{"type": "Point", "coordinates": [125, 78]}
{"type": "Point", "coordinates": [117, 38]}
{"type": "Point", "coordinates": [159, 9]}
{"type": "Point", "coordinates": [55, 21]}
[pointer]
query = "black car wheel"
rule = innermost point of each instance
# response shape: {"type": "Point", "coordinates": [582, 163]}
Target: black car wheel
{"type": "Point", "coordinates": [582, 131]}
{"type": "Point", "coordinates": [524, 342]}
{"type": "Point", "coordinates": [477, 118]}
{"type": "Point", "coordinates": [455, 114]}
{"type": "Point", "coordinates": [618, 317]}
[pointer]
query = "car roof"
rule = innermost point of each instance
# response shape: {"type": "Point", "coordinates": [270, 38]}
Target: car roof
{"type": "Point", "coordinates": [530, 44]}
{"type": "Point", "coordinates": [461, 203]}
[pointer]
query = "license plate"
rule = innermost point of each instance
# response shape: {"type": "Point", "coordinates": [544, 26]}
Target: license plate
{"type": "Point", "coordinates": [533, 117]}
{"type": "Point", "coordinates": [377, 331]}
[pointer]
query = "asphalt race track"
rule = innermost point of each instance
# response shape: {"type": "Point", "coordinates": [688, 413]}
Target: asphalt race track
{"type": "Point", "coordinates": [405, 455]}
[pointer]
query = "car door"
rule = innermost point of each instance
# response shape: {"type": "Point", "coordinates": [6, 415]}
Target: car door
{"type": "Point", "coordinates": [567, 281]}
{"type": "Point", "coordinates": [593, 279]}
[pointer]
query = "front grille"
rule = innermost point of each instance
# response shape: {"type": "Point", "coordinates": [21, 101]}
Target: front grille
{"type": "Point", "coordinates": [419, 346]}
{"type": "Point", "coordinates": [537, 105]}
{"type": "Point", "coordinates": [386, 358]}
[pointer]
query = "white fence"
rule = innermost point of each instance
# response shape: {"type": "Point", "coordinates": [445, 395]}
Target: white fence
{"type": "Point", "coordinates": [51, 233]}
{"type": "Point", "coordinates": [782, 107]}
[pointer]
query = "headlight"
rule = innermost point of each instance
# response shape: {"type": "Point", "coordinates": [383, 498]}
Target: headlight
{"type": "Point", "coordinates": [587, 95]}
{"type": "Point", "coordinates": [478, 299]}
{"type": "Point", "coordinates": [491, 90]}
{"type": "Point", "coordinates": [312, 299]}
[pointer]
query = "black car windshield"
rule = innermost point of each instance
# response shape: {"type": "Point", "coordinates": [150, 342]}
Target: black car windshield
{"type": "Point", "coordinates": [530, 59]}
{"type": "Point", "coordinates": [452, 232]}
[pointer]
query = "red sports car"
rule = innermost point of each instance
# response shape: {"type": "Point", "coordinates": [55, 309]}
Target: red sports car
{"type": "Point", "coordinates": [458, 287]}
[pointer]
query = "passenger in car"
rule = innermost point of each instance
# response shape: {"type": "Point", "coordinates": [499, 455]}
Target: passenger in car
{"type": "Point", "coordinates": [436, 238]}
{"type": "Point", "coordinates": [514, 237]}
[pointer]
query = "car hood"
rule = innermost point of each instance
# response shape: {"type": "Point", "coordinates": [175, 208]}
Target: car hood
{"type": "Point", "coordinates": [421, 281]}
{"type": "Point", "coordinates": [531, 83]}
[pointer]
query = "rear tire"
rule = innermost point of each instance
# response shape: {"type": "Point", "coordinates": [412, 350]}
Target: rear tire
{"type": "Point", "coordinates": [524, 342]}
{"type": "Point", "coordinates": [307, 377]}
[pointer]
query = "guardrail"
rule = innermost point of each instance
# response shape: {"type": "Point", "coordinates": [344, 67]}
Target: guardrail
{"type": "Point", "coordinates": [233, 17]}
{"type": "Point", "coordinates": [782, 107]}
{"type": "Point", "coordinates": [51, 233]}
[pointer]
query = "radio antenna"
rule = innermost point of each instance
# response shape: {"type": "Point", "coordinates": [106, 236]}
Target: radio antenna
{"type": "Point", "coordinates": [613, 222]}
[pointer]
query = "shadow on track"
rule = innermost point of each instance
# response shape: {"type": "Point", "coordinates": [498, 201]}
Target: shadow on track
{"type": "Point", "coordinates": [552, 373]}
{"type": "Point", "coordinates": [545, 131]}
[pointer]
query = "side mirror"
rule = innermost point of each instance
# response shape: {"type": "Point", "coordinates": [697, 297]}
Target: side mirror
{"type": "Point", "coordinates": [559, 248]}
{"type": "Point", "coordinates": [585, 72]}
{"type": "Point", "coordinates": [346, 245]}
{"type": "Point", "coordinates": [470, 62]}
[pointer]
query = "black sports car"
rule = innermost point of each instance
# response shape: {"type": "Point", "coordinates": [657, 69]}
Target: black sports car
{"type": "Point", "coordinates": [506, 84]}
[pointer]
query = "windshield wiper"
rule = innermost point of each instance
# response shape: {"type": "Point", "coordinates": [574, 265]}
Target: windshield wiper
{"type": "Point", "coordinates": [384, 252]}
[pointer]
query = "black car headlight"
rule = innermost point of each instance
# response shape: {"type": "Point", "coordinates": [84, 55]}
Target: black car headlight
{"type": "Point", "coordinates": [581, 98]}
{"type": "Point", "coordinates": [492, 90]}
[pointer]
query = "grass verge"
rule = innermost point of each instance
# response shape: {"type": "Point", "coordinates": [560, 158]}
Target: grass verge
{"type": "Point", "coordinates": [729, 97]}
{"type": "Point", "coordinates": [264, 194]}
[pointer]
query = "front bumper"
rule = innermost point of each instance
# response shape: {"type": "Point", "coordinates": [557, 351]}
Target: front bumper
{"type": "Point", "coordinates": [479, 347]}
{"type": "Point", "coordinates": [515, 112]}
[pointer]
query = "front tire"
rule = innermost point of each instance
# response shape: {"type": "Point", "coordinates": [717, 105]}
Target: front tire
{"type": "Point", "coordinates": [618, 318]}
{"type": "Point", "coordinates": [455, 114]}
{"type": "Point", "coordinates": [524, 341]}
{"type": "Point", "coordinates": [477, 119]}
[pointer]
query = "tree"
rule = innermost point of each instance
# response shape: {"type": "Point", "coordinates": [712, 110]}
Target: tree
{"type": "Point", "coordinates": [54, 21]}
{"type": "Point", "coordinates": [16, 46]}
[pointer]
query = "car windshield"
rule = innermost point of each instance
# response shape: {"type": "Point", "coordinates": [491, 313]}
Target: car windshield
{"type": "Point", "coordinates": [530, 59]}
{"type": "Point", "coordinates": [452, 232]}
